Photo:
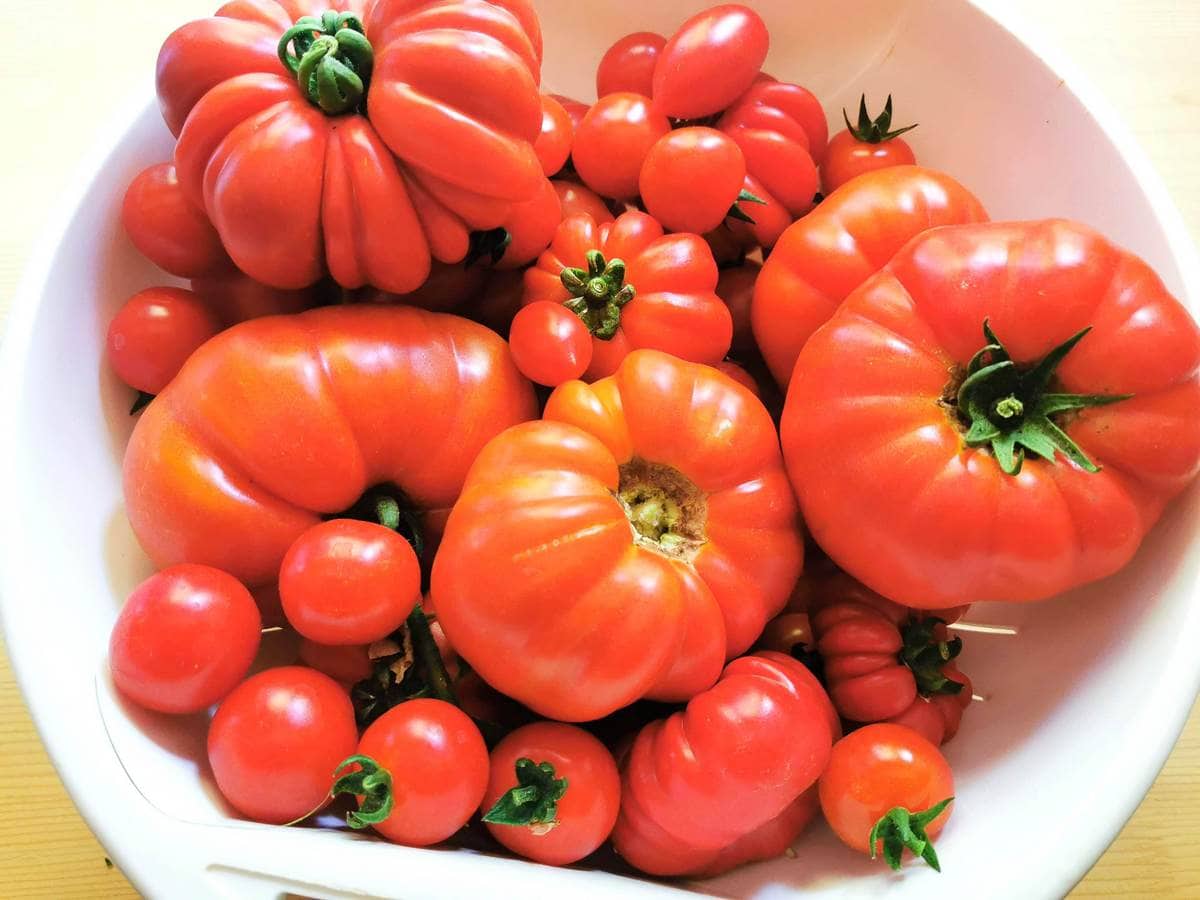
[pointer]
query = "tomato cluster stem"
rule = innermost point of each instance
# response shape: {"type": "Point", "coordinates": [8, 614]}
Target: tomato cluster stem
{"type": "Point", "coordinates": [331, 59]}
{"type": "Point", "coordinates": [598, 293]}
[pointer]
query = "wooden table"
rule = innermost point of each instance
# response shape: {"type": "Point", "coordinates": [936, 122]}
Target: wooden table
{"type": "Point", "coordinates": [66, 62]}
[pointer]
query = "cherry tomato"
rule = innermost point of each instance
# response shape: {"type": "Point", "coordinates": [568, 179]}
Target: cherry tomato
{"type": "Point", "coordinates": [153, 334]}
{"type": "Point", "coordinates": [578, 200]}
{"type": "Point", "coordinates": [553, 145]}
{"type": "Point", "coordinates": [736, 288]}
{"type": "Point", "coordinates": [691, 178]}
{"type": "Point", "coordinates": [869, 145]}
{"type": "Point", "coordinates": [574, 109]}
{"type": "Point", "coordinates": [876, 769]}
{"type": "Point", "coordinates": [184, 639]}
{"type": "Point", "coordinates": [550, 344]}
{"type": "Point", "coordinates": [787, 632]}
{"type": "Point", "coordinates": [576, 793]}
{"type": "Point", "coordinates": [276, 740]}
{"type": "Point", "coordinates": [709, 62]}
{"type": "Point", "coordinates": [167, 228]}
{"type": "Point", "coordinates": [612, 142]}
{"type": "Point", "coordinates": [349, 582]}
{"type": "Point", "coordinates": [346, 664]}
{"type": "Point", "coordinates": [628, 65]}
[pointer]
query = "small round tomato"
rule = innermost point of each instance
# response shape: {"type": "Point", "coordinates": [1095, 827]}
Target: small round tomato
{"type": "Point", "coordinates": [346, 664]}
{"type": "Point", "coordinates": [575, 109]}
{"type": "Point", "coordinates": [276, 740]}
{"type": "Point", "coordinates": [167, 229]}
{"type": "Point", "coordinates": [553, 794]}
{"type": "Point", "coordinates": [550, 344]}
{"type": "Point", "coordinates": [628, 65]}
{"type": "Point", "coordinates": [349, 582]}
{"type": "Point", "coordinates": [875, 770]}
{"type": "Point", "coordinates": [577, 200]}
{"type": "Point", "coordinates": [691, 179]}
{"type": "Point", "coordinates": [612, 141]}
{"type": "Point", "coordinates": [553, 145]}
{"type": "Point", "coordinates": [736, 288]}
{"type": "Point", "coordinates": [865, 147]}
{"type": "Point", "coordinates": [153, 334]}
{"type": "Point", "coordinates": [184, 639]}
{"type": "Point", "coordinates": [438, 766]}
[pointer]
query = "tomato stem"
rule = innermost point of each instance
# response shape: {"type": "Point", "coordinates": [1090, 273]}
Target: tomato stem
{"type": "Point", "coordinates": [877, 130]}
{"type": "Point", "coordinates": [598, 293]}
{"type": "Point", "coordinates": [926, 655]}
{"type": "Point", "coordinates": [331, 59]}
{"type": "Point", "coordinates": [533, 800]}
{"type": "Point", "coordinates": [428, 657]}
{"type": "Point", "coordinates": [370, 781]}
{"type": "Point", "coordinates": [898, 829]}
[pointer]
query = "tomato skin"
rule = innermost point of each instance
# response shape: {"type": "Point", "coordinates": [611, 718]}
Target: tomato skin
{"type": "Point", "coordinates": [835, 248]}
{"type": "Point", "coordinates": [574, 109]}
{"type": "Point", "coordinates": [613, 140]}
{"type": "Point", "coordinates": [499, 301]}
{"type": "Point", "coordinates": [346, 664]}
{"type": "Point", "coordinates": [736, 288]}
{"type": "Point", "coordinates": [770, 840]}
{"type": "Point", "coordinates": [549, 343]}
{"type": "Point", "coordinates": [236, 297]}
{"type": "Point", "coordinates": [879, 767]}
{"type": "Point", "coordinates": [578, 200]}
{"type": "Point", "coordinates": [531, 226]}
{"type": "Point", "coordinates": [275, 742]}
{"type": "Point", "coordinates": [691, 178]}
{"type": "Point", "coordinates": [740, 375]}
{"type": "Point", "coordinates": [847, 158]}
{"type": "Point", "coordinates": [978, 533]}
{"type": "Point", "coordinates": [586, 812]}
{"type": "Point", "coordinates": [184, 639]}
{"type": "Point", "coordinates": [153, 334]}
{"type": "Point", "coordinates": [628, 65]}
{"type": "Point", "coordinates": [167, 229]}
{"type": "Point", "coordinates": [707, 64]}
{"type": "Point", "coordinates": [789, 109]}
{"type": "Point", "coordinates": [439, 767]}
{"type": "Point", "coordinates": [553, 145]}
{"type": "Point", "coordinates": [450, 287]}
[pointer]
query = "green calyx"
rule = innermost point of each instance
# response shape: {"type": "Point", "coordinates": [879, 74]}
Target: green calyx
{"type": "Point", "coordinates": [1010, 409]}
{"type": "Point", "coordinates": [598, 293]}
{"type": "Point", "coordinates": [877, 130]}
{"type": "Point", "coordinates": [371, 782]}
{"type": "Point", "coordinates": [533, 801]}
{"type": "Point", "coordinates": [898, 829]}
{"type": "Point", "coordinates": [736, 211]}
{"type": "Point", "coordinates": [490, 245]}
{"type": "Point", "coordinates": [331, 59]}
{"type": "Point", "coordinates": [927, 656]}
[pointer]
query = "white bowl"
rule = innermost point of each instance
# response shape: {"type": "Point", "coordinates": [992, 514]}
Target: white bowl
{"type": "Point", "coordinates": [1082, 705]}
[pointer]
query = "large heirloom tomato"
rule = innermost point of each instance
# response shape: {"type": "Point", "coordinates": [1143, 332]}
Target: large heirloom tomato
{"type": "Point", "coordinates": [625, 547]}
{"type": "Point", "coordinates": [634, 287]}
{"type": "Point", "coordinates": [835, 248]}
{"type": "Point", "coordinates": [350, 141]}
{"type": "Point", "coordinates": [279, 422]}
{"type": "Point", "coordinates": [1000, 414]}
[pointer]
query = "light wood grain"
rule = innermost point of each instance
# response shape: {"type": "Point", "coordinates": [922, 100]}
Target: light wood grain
{"type": "Point", "coordinates": [63, 71]}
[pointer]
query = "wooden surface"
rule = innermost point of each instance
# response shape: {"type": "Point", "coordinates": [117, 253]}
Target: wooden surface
{"type": "Point", "coordinates": [67, 63]}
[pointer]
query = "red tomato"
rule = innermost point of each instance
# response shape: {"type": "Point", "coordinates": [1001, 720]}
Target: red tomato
{"type": "Point", "coordinates": [349, 582]}
{"type": "Point", "coordinates": [153, 334]}
{"type": "Point", "coordinates": [790, 110]}
{"type": "Point", "coordinates": [577, 200]}
{"type": "Point", "coordinates": [553, 145]}
{"type": "Point", "coordinates": [769, 840]}
{"type": "Point", "coordinates": [347, 664]}
{"type": "Point", "coordinates": [628, 65]}
{"type": "Point", "coordinates": [549, 343]}
{"type": "Point", "coordinates": [276, 740]}
{"type": "Point", "coordinates": [236, 297]}
{"type": "Point", "coordinates": [576, 795]}
{"type": "Point", "coordinates": [736, 288]}
{"type": "Point", "coordinates": [612, 142]}
{"type": "Point", "coordinates": [184, 639]}
{"type": "Point", "coordinates": [691, 178]}
{"type": "Point", "coordinates": [728, 249]}
{"type": "Point", "coordinates": [867, 147]}
{"type": "Point", "coordinates": [450, 287]}
{"type": "Point", "coordinates": [167, 229]}
{"type": "Point", "coordinates": [879, 768]}
{"type": "Point", "coordinates": [500, 300]}
{"type": "Point", "coordinates": [530, 226]}
{"type": "Point", "coordinates": [709, 62]}
{"type": "Point", "coordinates": [574, 109]}
{"type": "Point", "coordinates": [740, 375]}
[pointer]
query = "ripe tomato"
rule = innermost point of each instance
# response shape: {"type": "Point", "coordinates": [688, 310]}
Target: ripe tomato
{"type": "Point", "coordinates": [345, 664]}
{"type": "Point", "coordinates": [769, 840]}
{"type": "Point", "coordinates": [628, 65]}
{"type": "Point", "coordinates": [578, 200]}
{"type": "Point", "coordinates": [612, 142]}
{"type": "Point", "coordinates": [876, 769]}
{"type": "Point", "coordinates": [450, 287]}
{"type": "Point", "coordinates": [691, 179]}
{"type": "Point", "coordinates": [499, 301]}
{"type": "Point", "coordinates": [235, 297]}
{"type": "Point", "coordinates": [739, 374]}
{"type": "Point", "coordinates": [349, 582]}
{"type": "Point", "coordinates": [867, 147]}
{"type": "Point", "coordinates": [153, 334]}
{"type": "Point", "coordinates": [790, 110]}
{"type": "Point", "coordinates": [553, 145]}
{"type": "Point", "coordinates": [574, 109]}
{"type": "Point", "coordinates": [570, 793]}
{"type": "Point", "coordinates": [530, 227]}
{"type": "Point", "coordinates": [550, 344]}
{"type": "Point", "coordinates": [276, 740]}
{"type": "Point", "coordinates": [184, 639]}
{"type": "Point", "coordinates": [167, 229]}
{"type": "Point", "coordinates": [707, 64]}
{"type": "Point", "coordinates": [736, 288]}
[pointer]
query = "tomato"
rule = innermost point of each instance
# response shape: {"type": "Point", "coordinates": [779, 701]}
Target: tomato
{"type": "Point", "coordinates": [404, 398]}
{"type": "Point", "coordinates": [349, 582]}
{"type": "Point", "coordinates": [770, 840]}
{"type": "Point", "coordinates": [553, 145]}
{"type": "Point", "coordinates": [276, 740]}
{"type": "Point", "coordinates": [790, 110]}
{"type": "Point", "coordinates": [872, 772]}
{"type": "Point", "coordinates": [634, 287]}
{"type": "Point", "coordinates": [576, 793]}
{"type": "Point", "coordinates": [167, 229]}
{"type": "Point", "coordinates": [302, 169]}
{"type": "Point", "coordinates": [153, 334]}
{"type": "Point", "coordinates": [736, 288]}
{"type": "Point", "coordinates": [740, 375]}
{"type": "Point", "coordinates": [530, 227]}
{"type": "Point", "coordinates": [450, 287]}
{"type": "Point", "coordinates": [235, 297]}
{"type": "Point", "coordinates": [613, 140]}
{"type": "Point", "coordinates": [438, 765]}
{"type": "Point", "coordinates": [868, 147]}
{"type": "Point", "coordinates": [574, 109]}
{"type": "Point", "coordinates": [835, 248]}
{"type": "Point", "coordinates": [975, 491]}
{"type": "Point", "coordinates": [691, 179]}
{"type": "Point", "coordinates": [707, 64]}
{"type": "Point", "coordinates": [499, 301]}
{"type": "Point", "coordinates": [693, 785]}
{"type": "Point", "coordinates": [728, 249]}
{"type": "Point", "coordinates": [577, 200]}
{"type": "Point", "coordinates": [346, 664]}
{"type": "Point", "coordinates": [550, 344]}
{"type": "Point", "coordinates": [673, 548]}
{"type": "Point", "coordinates": [628, 65]}
{"type": "Point", "coordinates": [184, 639]}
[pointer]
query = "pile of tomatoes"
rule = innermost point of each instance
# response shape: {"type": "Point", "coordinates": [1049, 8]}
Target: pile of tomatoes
{"type": "Point", "coordinates": [519, 417]}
